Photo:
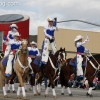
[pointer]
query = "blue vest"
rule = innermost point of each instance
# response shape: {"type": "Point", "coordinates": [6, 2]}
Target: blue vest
{"type": "Point", "coordinates": [50, 32]}
{"type": "Point", "coordinates": [80, 49]}
{"type": "Point", "coordinates": [15, 46]}
{"type": "Point", "coordinates": [33, 53]}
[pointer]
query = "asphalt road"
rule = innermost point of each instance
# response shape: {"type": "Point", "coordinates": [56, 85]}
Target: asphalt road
{"type": "Point", "coordinates": [78, 94]}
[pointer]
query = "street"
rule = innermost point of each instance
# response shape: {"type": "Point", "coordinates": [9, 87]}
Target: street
{"type": "Point", "coordinates": [78, 94]}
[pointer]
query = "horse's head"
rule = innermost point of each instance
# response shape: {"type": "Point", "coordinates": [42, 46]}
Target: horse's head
{"type": "Point", "coordinates": [61, 55]}
{"type": "Point", "coordinates": [24, 45]}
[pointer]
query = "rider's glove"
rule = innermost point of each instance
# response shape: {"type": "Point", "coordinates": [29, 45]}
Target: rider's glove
{"type": "Point", "coordinates": [52, 40]}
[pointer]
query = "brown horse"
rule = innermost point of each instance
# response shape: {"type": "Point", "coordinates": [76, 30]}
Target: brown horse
{"type": "Point", "coordinates": [89, 70]}
{"type": "Point", "coordinates": [50, 69]}
{"type": "Point", "coordinates": [11, 79]}
{"type": "Point", "coordinates": [21, 67]}
{"type": "Point", "coordinates": [4, 79]}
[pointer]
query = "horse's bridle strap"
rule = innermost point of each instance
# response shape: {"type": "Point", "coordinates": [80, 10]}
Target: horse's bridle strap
{"type": "Point", "coordinates": [24, 67]}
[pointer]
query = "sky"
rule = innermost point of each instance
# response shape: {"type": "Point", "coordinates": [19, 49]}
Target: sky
{"type": "Point", "coordinates": [40, 10]}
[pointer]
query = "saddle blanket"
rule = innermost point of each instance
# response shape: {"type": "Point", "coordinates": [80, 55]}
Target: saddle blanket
{"type": "Point", "coordinates": [5, 60]}
{"type": "Point", "coordinates": [37, 60]}
{"type": "Point", "coordinates": [74, 64]}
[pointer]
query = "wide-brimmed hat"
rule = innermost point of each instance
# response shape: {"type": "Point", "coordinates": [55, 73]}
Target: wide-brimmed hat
{"type": "Point", "coordinates": [50, 19]}
{"type": "Point", "coordinates": [16, 34]}
{"type": "Point", "coordinates": [13, 25]}
{"type": "Point", "coordinates": [33, 43]}
{"type": "Point", "coordinates": [78, 38]}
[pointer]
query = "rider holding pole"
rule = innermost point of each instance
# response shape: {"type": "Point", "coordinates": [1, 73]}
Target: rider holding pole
{"type": "Point", "coordinates": [79, 43]}
{"type": "Point", "coordinates": [49, 40]}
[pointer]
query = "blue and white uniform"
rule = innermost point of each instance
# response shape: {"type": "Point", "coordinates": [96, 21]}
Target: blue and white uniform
{"type": "Point", "coordinates": [33, 52]}
{"type": "Point", "coordinates": [9, 38]}
{"type": "Point", "coordinates": [11, 33]}
{"type": "Point", "coordinates": [14, 44]}
{"type": "Point", "coordinates": [80, 51]}
{"type": "Point", "coordinates": [49, 35]}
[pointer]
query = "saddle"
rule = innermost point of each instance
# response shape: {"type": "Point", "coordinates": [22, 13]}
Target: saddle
{"type": "Point", "coordinates": [73, 62]}
{"type": "Point", "coordinates": [5, 60]}
{"type": "Point", "coordinates": [37, 60]}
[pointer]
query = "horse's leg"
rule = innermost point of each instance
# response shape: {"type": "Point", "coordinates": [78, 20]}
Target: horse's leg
{"type": "Point", "coordinates": [62, 81]}
{"type": "Point", "coordinates": [6, 86]}
{"type": "Point", "coordinates": [18, 91]}
{"type": "Point", "coordinates": [3, 83]}
{"type": "Point", "coordinates": [47, 90]}
{"type": "Point", "coordinates": [23, 80]}
{"type": "Point", "coordinates": [67, 76]}
{"type": "Point", "coordinates": [38, 85]}
{"type": "Point", "coordinates": [90, 82]}
{"type": "Point", "coordinates": [62, 89]}
{"type": "Point", "coordinates": [33, 85]}
{"type": "Point", "coordinates": [12, 82]}
{"type": "Point", "coordinates": [21, 86]}
{"type": "Point", "coordinates": [8, 90]}
{"type": "Point", "coordinates": [52, 84]}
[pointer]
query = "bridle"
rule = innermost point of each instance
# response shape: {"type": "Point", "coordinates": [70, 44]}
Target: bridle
{"type": "Point", "coordinates": [61, 58]}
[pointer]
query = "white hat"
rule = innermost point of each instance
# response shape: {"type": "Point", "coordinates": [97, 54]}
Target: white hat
{"type": "Point", "coordinates": [13, 25]}
{"type": "Point", "coordinates": [78, 38]}
{"type": "Point", "coordinates": [16, 34]}
{"type": "Point", "coordinates": [33, 43]}
{"type": "Point", "coordinates": [50, 19]}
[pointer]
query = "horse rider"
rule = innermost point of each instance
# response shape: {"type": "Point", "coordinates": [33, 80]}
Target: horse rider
{"type": "Point", "coordinates": [10, 34]}
{"type": "Point", "coordinates": [15, 44]}
{"type": "Point", "coordinates": [49, 40]}
{"type": "Point", "coordinates": [79, 43]}
{"type": "Point", "coordinates": [33, 52]}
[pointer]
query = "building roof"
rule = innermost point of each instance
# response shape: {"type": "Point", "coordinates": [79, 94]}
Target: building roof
{"type": "Point", "coordinates": [10, 17]}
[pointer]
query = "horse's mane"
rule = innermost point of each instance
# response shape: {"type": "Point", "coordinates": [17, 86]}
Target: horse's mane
{"type": "Point", "coordinates": [95, 56]}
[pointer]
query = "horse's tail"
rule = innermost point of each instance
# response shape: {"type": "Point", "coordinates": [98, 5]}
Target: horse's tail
{"type": "Point", "coordinates": [62, 78]}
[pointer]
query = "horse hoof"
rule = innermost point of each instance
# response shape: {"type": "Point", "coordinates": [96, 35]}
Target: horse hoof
{"type": "Point", "coordinates": [55, 96]}
{"type": "Point", "coordinates": [5, 96]}
{"type": "Point", "coordinates": [87, 94]}
{"type": "Point", "coordinates": [24, 98]}
{"type": "Point", "coordinates": [46, 95]}
{"type": "Point", "coordinates": [25, 90]}
{"type": "Point", "coordinates": [70, 94]}
{"type": "Point", "coordinates": [35, 94]}
{"type": "Point", "coordinates": [62, 93]}
{"type": "Point", "coordinates": [39, 93]}
{"type": "Point", "coordinates": [91, 95]}
{"type": "Point", "coordinates": [14, 91]}
{"type": "Point", "coordinates": [30, 89]}
{"type": "Point", "coordinates": [8, 91]}
{"type": "Point", "coordinates": [18, 97]}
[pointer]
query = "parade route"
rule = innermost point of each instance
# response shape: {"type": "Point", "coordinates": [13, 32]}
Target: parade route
{"type": "Point", "coordinates": [78, 94]}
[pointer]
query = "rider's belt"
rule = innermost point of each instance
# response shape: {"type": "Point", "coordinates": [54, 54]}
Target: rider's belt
{"type": "Point", "coordinates": [80, 53]}
{"type": "Point", "coordinates": [32, 56]}
{"type": "Point", "coordinates": [46, 37]}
